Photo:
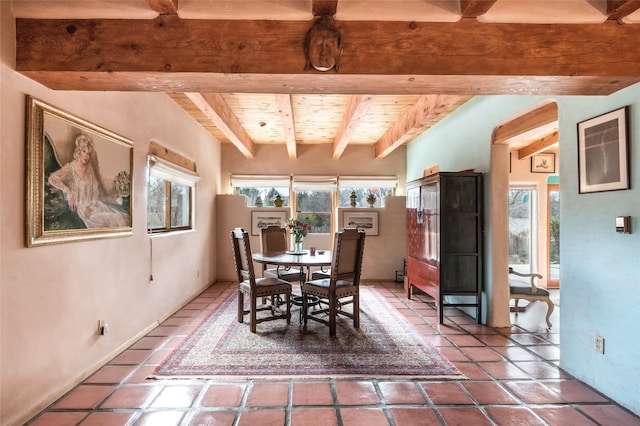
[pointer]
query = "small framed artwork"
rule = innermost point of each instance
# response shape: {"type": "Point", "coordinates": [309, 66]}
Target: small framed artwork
{"type": "Point", "coordinates": [603, 152]}
{"type": "Point", "coordinates": [262, 218]}
{"type": "Point", "coordinates": [544, 162]}
{"type": "Point", "coordinates": [368, 221]}
{"type": "Point", "coordinates": [79, 183]}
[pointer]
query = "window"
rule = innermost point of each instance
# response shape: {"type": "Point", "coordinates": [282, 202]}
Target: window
{"type": "Point", "coordinates": [314, 198]}
{"type": "Point", "coordinates": [523, 241]}
{"type": "Point", "coordinates": [380, 186]}
{"type": "Point", "coordinates": [169, 196]}
{"type": "Point", "coordinates": [265, 187]}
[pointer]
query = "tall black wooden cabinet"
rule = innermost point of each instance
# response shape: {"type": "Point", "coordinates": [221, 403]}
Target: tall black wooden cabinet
{"type": "Point", "coordinates": [444, 239]}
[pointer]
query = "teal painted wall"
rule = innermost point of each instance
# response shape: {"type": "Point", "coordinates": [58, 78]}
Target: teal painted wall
{"type": "Point", "coordinates": [462, 140]}
{"type": "Point", "coordinates": [600, 274]}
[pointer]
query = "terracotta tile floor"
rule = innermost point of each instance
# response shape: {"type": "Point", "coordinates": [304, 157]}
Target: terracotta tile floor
{"type": "Point", "coordinates": [513, 379]}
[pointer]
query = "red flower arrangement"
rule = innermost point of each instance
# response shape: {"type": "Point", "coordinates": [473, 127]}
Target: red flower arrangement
{"type": "Point", "coordinates": [299, 227]}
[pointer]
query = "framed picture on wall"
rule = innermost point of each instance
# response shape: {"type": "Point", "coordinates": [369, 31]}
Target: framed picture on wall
{"type": "Point", "coordinates": [544, 162]}
{"type": "Point", "coordinates": [603, 152]}
{"type": "Point", "coordinates": [262, 218]}
{"type": "Point", "coordinates": [78, 178]}
{"type": "Point", "coordinates": [368, 221]}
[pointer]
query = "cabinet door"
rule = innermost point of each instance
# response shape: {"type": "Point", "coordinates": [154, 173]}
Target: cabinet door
{"type": "Point", "coordinates": [459, 274]}
{"type": "Point", "coordinates": [430, 200]}
{"type": "Point", "coordinates": [415, 233]}
{"type": "Point", "coordinates": [460, 194]}
{"type": "Point", "coordinates": [461, 233]}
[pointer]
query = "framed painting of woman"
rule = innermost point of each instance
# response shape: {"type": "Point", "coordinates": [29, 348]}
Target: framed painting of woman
{"type": "Point", "coordinates": [79, 180]}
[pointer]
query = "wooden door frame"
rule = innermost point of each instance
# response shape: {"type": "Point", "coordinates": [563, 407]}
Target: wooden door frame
{"type": "Point", "coordinates": [551, 283]}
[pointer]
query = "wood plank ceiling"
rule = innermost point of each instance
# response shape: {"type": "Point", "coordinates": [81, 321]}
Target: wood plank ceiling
{"type": "Point", "coordinates": [237, 67]}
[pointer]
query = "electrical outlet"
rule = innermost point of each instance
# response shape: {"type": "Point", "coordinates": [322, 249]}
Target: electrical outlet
{"type": "Point", "coordinates": [598, 344]}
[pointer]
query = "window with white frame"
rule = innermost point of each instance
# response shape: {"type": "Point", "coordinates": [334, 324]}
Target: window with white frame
{"type": "Point", "coordinates": [523, 223]}
{"type": "Point", "coordinates": [363, 186]}
{"type": "Point", "coordinates": [314, 198]}
{"type": "Point", "coordinates": [265, 187]}
{"type": "Point", "coordinates": [170, 193]}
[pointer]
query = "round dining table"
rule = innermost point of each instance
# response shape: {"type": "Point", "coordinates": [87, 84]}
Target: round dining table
{"type": "Point", "coordinates": [302, 260]}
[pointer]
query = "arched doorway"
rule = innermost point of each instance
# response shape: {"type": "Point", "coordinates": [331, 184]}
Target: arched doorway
{"type": "Point", "coordinates": [517, 139]}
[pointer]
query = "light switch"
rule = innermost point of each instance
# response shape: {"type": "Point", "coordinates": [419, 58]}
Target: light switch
{"type": "Point", "coordinates": [623, 224]}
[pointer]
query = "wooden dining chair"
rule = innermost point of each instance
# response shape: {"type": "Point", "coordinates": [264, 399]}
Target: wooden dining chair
{"type": "Point", "coordinates": [344, 282]}
{"type": "Point", "coordinates": [325, 273]}
{"type": "Point", "coordinates": [274, 240]}
{"type": "Point", "coordinates": [266, 288]}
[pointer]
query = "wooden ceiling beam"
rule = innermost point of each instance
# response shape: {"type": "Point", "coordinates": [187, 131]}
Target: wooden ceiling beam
{"type": "Point", "coordinates": [288, 124]}
{"type": "Point", "coordinates": [356, 109]}
{"type": "Point", "coordinates": [170, 54]}
{"type": "Point", "coordinates": [169, 155]}
{"type": "Point", "coordinates": [217, 110]}
{"type": "Point", "coordinates": [541, 117]}
{"type": "Point", "coordinates": [164, 7]}
{"type": "Point", "coordinates": [538, 146]}
{"type": "Point", "coordinates": [618, 9]}
{"type": "Point", "coordinates": [324, 7]}
{"type": "Point", "coordinates": [427, 109]}
{"type": "Point", "coordinates": [475, 8]}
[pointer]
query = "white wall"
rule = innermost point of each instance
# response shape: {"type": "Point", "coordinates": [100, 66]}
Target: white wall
{"type": "Point", "coordinates": [53, 296]}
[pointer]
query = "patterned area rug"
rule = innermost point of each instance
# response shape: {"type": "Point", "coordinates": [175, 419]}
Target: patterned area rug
{"type": "Point", "coordinates": [386, 346]}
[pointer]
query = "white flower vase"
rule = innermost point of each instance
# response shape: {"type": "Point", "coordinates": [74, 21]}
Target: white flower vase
{"type": "Point", "coordinates": [297, 243]}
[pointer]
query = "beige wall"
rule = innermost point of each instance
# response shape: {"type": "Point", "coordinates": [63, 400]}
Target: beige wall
{"type": "Point", "coordinates": [52, 297]}
{"type": "Point", "coordinates": [313, 160]}
{"type": "Point", "coordinates": [383, 254]}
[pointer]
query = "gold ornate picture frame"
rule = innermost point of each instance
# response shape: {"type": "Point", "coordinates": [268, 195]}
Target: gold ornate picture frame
{"type": "Point", "coordinates": [79, 178]}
